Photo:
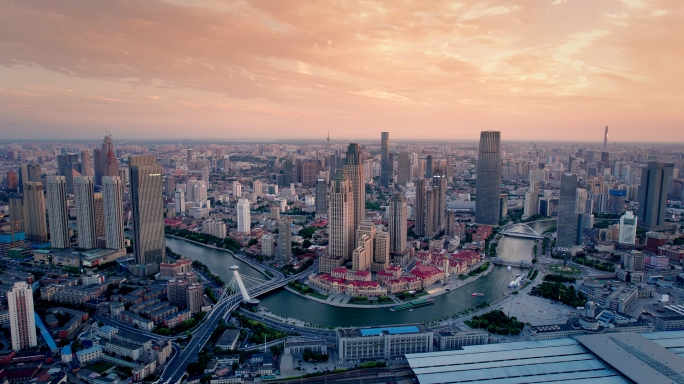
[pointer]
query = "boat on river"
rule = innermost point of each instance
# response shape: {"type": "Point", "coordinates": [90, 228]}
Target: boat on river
{"type": "Point", "coordinates": [413, 304]}
{"type": "Point", "coordinates": [477, 294]}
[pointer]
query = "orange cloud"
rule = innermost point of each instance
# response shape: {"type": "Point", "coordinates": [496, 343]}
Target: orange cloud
{"type": "Point", "coordinates": [261, 68]}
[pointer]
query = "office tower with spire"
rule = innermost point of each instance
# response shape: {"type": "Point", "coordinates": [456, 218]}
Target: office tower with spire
{"type": "Point", "coordinates": [112, 198]}
{"type": "Point", "coordinates": [321, 197]}
{"type": "Point", "coordinates": [403, 168]}
{"type": "Point", "coordinates": [147, 209]}
{"type": "Point", "coordinates": [243, 216]}
{"type": "Point", "coordinates": [605, 139]}
{"type": "Point", "coordinates": [353, 172]}
{"type": "Point", "coordinates": [655, 180]}
{"type": "Point", "coordinates": [21, 315]}
{"type": "Point", "coordinates": [84, 188]}
{"type": "Point", "coordinates": [58, 214]}
{"type": "Point", "coordinates": [34, 212]}
{"type": "Point", "coordinates": [385, 165]}
{"type": "Point", "coordinates": [488, 178]}
{"type": "Point", "coordinates": [396, 223]}
{"type": "Point", "coordinates": [567, 212]}
{"type": "Point", "coordinates": [341, 243]}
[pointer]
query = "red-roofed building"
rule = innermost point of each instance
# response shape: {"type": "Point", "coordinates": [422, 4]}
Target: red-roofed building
{"type": "Point", "coordinates": [427, 274]}
{"type": "Point", "coordinates": [402, 284]}
{"type": "Point", "coordinates": [339, 273]}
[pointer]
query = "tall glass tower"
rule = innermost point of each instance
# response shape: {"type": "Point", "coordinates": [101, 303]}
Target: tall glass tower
{"type": "Point", "coordinates": [385, 164]}
{"type": "Point", "coordinates": [488, 178]}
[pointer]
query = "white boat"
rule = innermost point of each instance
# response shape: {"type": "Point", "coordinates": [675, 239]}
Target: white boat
{"type": "Point", "coordinates": [410, 310]}
{"type": "Point", "coordinates": [509, 268]}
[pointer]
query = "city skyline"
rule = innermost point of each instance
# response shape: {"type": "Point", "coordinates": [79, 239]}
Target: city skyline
{"type": "Point", "coordinates": [255, 70]}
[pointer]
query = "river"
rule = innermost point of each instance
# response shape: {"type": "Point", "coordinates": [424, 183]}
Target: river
{"type": "Point", "coordinates": [288, 304]}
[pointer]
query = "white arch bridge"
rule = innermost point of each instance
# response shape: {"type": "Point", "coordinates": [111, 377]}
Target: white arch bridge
{"type": "Point", "coordinates": [527, 232]}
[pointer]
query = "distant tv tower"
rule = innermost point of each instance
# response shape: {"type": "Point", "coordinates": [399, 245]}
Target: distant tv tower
{"type": "Point", "coordinates": [605, 139]}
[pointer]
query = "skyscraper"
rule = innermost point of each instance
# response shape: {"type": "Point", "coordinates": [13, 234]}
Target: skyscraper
{"type": "Point", "coordinates": [17, 213]}
{"type": "Point", "coordinates": [34, 208]}
{"type": "Point", "coordinates": [488, 178]}
{"type": "Point", "coordinates": [429, 167]}
{"type": "Point", "coordinates": [605, 139]}
{"type": "Point", "coordinates": [86, 165]}
{"type": "Point", "coordinates": [353, 172]}
{"type": "Point", "coordinates": [396, 223]}
{"type": "Point", "coordinates": [385, 165]}
{"type": "Point", "coordinates": [341, 242]}
{"type": "Point", "coordinates": [58, 214]}
{"type": "Point", "coordinates": [84, 188]}
{"type": "Point", "coordinates": [179, 200]}
{"type": "Point", "coordinates": [111, 165]}
{"type": "Point", "coordinates": [655, 180]}
{"type": "Point", "coordinates": [531, 206]}
{"type": "Point", "coordinates": [22, 321]}
{"type": "Point", "coordinates": [147, 208]}
{"type": "Point", "coordinates": [243, 217]}
{"type": "Point", "coordinates": [628, 228]}
{"type": "Point", "coordinates": [403, 168]}
{"type": "Point", "coordinates": [419, 208]}
{"type": "Point", "coordinates": [321, 197]}
{"type": "Point", "coordinates": [112, 196]}
{"type": "Point", "coordinates": [567, 212]}
{"type": "Point", "coordinates": [285, 239]}
{"type": "Point", "coordinates": [98, 163]}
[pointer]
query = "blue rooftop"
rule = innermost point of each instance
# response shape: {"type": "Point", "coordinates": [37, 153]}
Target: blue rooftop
{"type": "Point", "coordinates": [44, 332]}
{"type": "Point", "coordinates": [390, 330]}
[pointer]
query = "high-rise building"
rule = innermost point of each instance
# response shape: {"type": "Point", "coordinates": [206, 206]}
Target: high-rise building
{"type": "Point", "coordinates": [21, 314]}
{"type": "Point", "coordinates": [385, 164]}
{"type": "Point", "coordinates": [17, 213]}
{"type": "Point", "coordinates": [34, 208]}
{"type": "Point", "coordinates": [84, 188]}
{"type": "Point", "coordinates": [341, 243]}
{"type": "Point", "coordinates": [450, 223]}
{"type": "Point", "coordinates": [353, 171]}
{"type": "Point", "coordinates": [243, 217]}
{"type": "Point", "coordinates": [531, 206]}
{"type": "Point", "coordinates": [288, 172]}
{"type": "Point", "coordinates": [419, 208]}
{"type": "Point", "coordinates": [488, 181]}
{"type": "Point", "coordinates": [628, 228]}
{"type": "Point", "coordinates": [655, 179]}
{"type": "Point", "coordinates": [112, 196]}
{"type": "Point", "coordinates": [58, 214]}
{"type": "Point", "coordinates": [381, 252]}
{"type": "Point", "coordinates": [309, 169]}
{"type": "Point", "coordinates": [396, 223]}
{"type": "Point", "coordinates": [285, 239]}
{"type": "Point", "coordinates": [429, 167]}
{"type": "Point", "coordinates": [321, 197]}
{"type": "Point", "coordinates": [86, 165]}
{"type": "Point", "coordinates": [29, 172]}
{"type": "Point", "coordinates": [267, 241]}
{"type": "Point", "coordinates": [363, 254]}
{"type": "Point", "coordinates": [98, 163]}
{"type": "Point", "coordinates": [111, 165]}
{"type": "Point", "coordinates": [567, 212]}
{"type": "Point", "coordinates": [257, 189]}
{"type": "Point", "coordinates": [205, 176]}
{"type": "Point", "coordinates": [634, 261]}
{"type": "Point", "coordinates": [147, 208]}
{"type": "Point", "coordinates": [179, 201]}
{"type": "Point", "coordinates": [237, 189]}
{"type": "Point", "coordinates": [403, 168]}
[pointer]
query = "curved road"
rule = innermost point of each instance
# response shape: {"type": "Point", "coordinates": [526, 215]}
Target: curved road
{"type": "Point", "coordinates": [175, 369]}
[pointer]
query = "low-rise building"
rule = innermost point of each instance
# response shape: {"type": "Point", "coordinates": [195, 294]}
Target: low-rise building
{"type": "Point", "coordinates": [669, 323]}
{"type": "Point", "coordinates": [123, 348]}
{"type": "Point", "coordinates": [143, 370]}
{"type": "Point", "coordinates": [229, 339]}
{"type": "Point", "coordinates": [87, 355]}
{"type": "Point", "coordinates": [455, 339]}
{"type": "Point", "coordinates": [383, 342]}
{"type": "Point", "coordinates": [296, 347]}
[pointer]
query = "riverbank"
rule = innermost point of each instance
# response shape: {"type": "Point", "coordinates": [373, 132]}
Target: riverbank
{"type": "Point", "coordinates": [439, 289]}
{"type": "Point", "coordinates": [252, 263]}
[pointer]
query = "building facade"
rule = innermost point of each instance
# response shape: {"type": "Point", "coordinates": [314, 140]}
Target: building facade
{"type": "Point", "coordinates": [147, 207]}
{"type": "Point", "coordinates": [58, 214]}
{"type": "Point", "coordinates": [488, 178]}
{"type": "Point", "coordinates": [22, 321]}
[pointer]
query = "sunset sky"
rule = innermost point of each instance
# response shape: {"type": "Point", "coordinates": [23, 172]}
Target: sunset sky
{"type": "Point", "coordinates": [268, 69]}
